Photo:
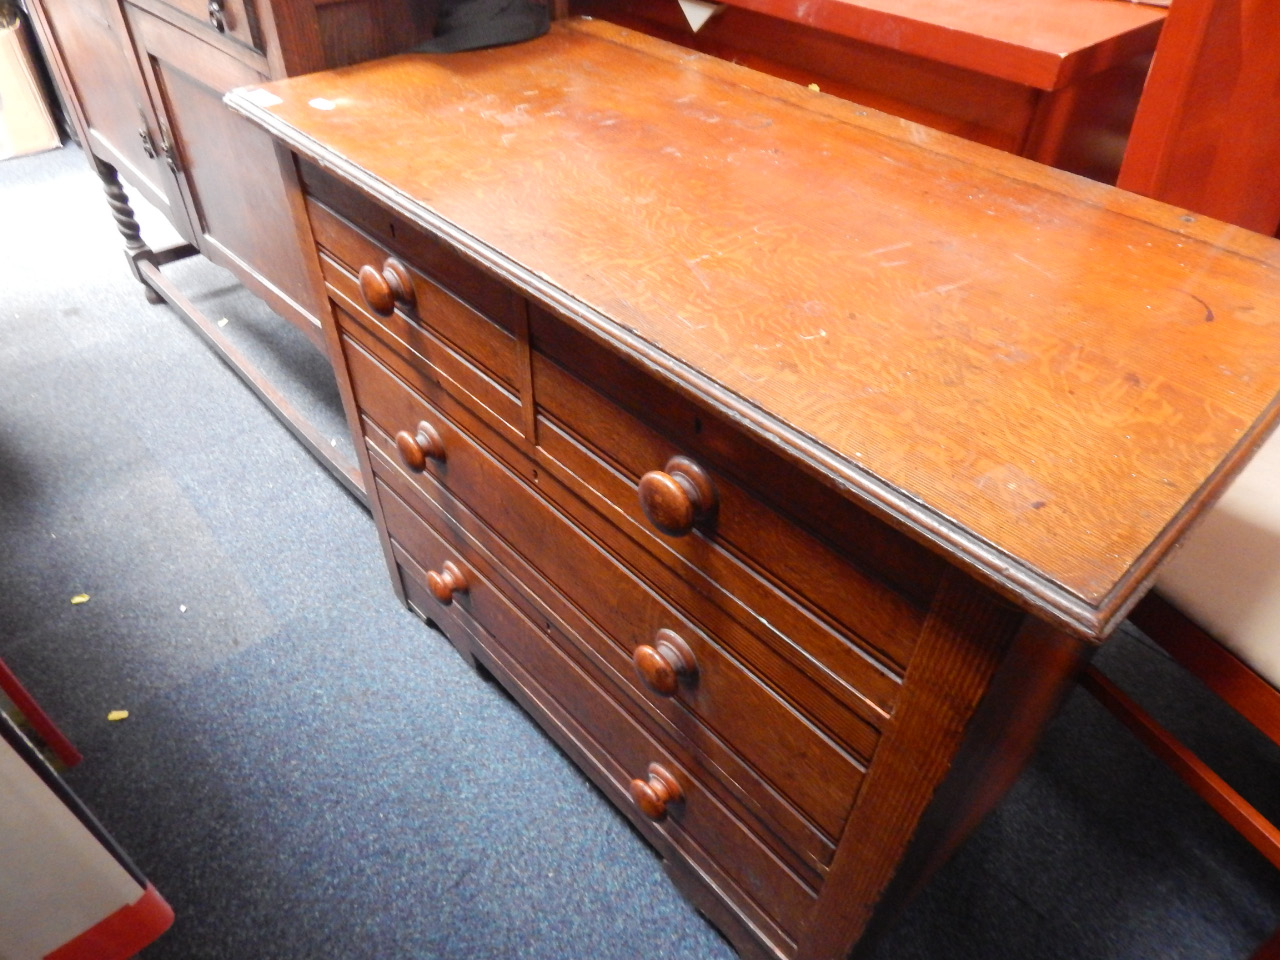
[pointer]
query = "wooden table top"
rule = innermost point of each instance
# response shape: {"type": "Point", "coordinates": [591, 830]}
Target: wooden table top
{"type": "Point", "coordinates": [1042, 377]}
{"type": "Point", "coordinates": [1041, 43]}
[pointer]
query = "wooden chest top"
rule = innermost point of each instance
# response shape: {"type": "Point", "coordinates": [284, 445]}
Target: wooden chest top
{"type": "Point", "coordinates": [1042, 377]}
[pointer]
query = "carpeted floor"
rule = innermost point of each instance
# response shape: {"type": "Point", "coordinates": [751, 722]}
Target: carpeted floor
{"type": "Point", "coordinates": [309, 772]}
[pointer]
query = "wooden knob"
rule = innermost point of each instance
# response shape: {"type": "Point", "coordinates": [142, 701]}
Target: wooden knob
{"type": "Point", "coordinates": [678, 496]}
{"type": "Point", "coordinates": [383, 289]}
{"type": "Point", "coordinates": [653, 795]}
{"type": "Point", "coordinates": [415, 448]}
{"type": "Point", "coordinates": [447, 581]}
{"type": "Point", "coordinates": [663, 665]}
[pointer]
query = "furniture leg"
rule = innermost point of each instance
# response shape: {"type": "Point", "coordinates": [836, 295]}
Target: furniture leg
{"type": "Point", "coordinates": [135, 248]}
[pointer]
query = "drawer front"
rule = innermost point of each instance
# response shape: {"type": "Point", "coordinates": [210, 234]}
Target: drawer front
{"type": "Point", "coordinates": [718, 703]}
{"type": "Point", "coordinates": [347, 223]}
{"type": "Point", "coordinates": [616, 749]}
{"type": "Point", "coordinates": [233, 18]}
{"type": "Point", "coordinates": [487, 340]}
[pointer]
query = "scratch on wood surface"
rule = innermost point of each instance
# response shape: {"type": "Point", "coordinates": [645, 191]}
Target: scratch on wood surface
{"type": "Point", "coordinates": [1033, 266]}
{"type": "Point", "coordinates": [893, 246]}
{"type": "Point", "coordinates": [1208, 310]}
{"type": "Point", "coordinates": [813, 336]}
{"type": "Point", "coordinates": [895, 263]}
{"type": "Point", "coordinates": [944, 288]}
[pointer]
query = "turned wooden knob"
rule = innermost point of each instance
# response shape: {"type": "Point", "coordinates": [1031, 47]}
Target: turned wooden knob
{"type": "Point", "coordinates": [677, 496]}
{"type": "Point", "coordinates": [446, 581]}
{"type": "Point", "coordinates": [663, 665]}
{"type": "Point", "coordinates": [383, 289]}
{"type": "Point", "coordinates": [653, 795]}
{"type": "Point", "coordinates": [415, 448]}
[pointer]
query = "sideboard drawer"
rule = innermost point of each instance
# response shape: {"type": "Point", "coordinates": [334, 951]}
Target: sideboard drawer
{"type": "Point", "coordinates": [233, 18]}
{"type": "Point", "coordinates": [617, 746]}
{"type": "Point", "coordinates": [720, 702]}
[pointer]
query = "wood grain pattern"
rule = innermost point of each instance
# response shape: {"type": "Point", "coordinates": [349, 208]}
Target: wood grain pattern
{"type": "Point", "coordinates": [1039, 378]}
{"type": "Point", "coordinates": [961, 648]}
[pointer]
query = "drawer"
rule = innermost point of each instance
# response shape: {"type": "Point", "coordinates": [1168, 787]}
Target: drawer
{"type": "Point", "coordinates": [491, 345]}
{"type": "Point", "coordinates": [422, 359]}
{"type": "Point", "coordinates": [613, 747]}
{"type": "Point", "coordinates": [237, 19]}
{"type": "Point", "coordinates": [358, 231]}
{"type": "Point", "coordinates": [806, 778]}
{"type": "Point", "coordinates": [857, 537]}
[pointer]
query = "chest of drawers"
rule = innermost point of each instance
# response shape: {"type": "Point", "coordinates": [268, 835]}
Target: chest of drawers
{"type": "Point", "coordinates": [792, 549]}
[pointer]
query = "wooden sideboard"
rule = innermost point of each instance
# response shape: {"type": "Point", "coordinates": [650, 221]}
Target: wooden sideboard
{"type": "Point", "coordinates": [143, 81]}
{"type": "Point", "coordinates": [786, 460]}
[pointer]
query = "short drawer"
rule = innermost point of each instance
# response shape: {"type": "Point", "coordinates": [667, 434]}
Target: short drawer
{"type": "Point", "coordinates": [617, 749]}
{"type": "Point", "coordinates": [237, 19]}
{"type": "Point", "coordinates": [806, 779]}
{"type": "Point", "coordinates": [489, 344]}
{"type": "Point", "coordinates": [358, 231]}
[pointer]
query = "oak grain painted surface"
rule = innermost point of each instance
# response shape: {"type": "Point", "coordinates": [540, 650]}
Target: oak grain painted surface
{"type": "Point", "coordinates": [1040, 376]}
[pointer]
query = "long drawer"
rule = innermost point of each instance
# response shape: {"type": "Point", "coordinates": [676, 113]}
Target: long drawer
{"type": "Point", "coordinates": [618, 750]}
{"type": "Point", "coordinates": [807, 780]}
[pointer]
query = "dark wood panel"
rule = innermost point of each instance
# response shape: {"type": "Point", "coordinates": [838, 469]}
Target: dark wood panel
{"type": "Point", "coordinates": [963, 644]}
{"type": "Point", "coordinates": [356, 30]}
{"type": "Point", "coordinates": [91, 43]}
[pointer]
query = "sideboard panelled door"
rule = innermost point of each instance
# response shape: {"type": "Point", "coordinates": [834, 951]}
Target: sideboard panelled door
{"type": "Point", "coordinates": [115, 113]}
{"type": "Point", "coordinates": [231, 179]}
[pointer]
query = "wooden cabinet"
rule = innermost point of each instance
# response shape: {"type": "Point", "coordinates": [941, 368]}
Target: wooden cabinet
{"type": "Point", "coordinates": [145, 79]}
{"type": "Point", "coordinates": [784, 461]}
